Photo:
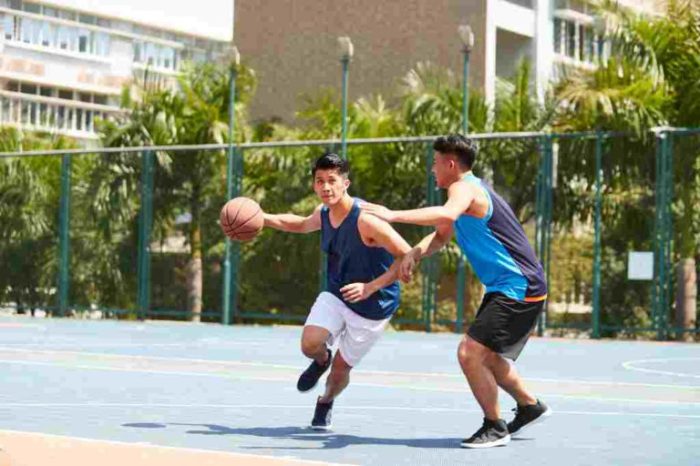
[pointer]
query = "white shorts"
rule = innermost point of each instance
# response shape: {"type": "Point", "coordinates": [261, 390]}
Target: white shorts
{"type": "Point", "coordinates": [354, 333]}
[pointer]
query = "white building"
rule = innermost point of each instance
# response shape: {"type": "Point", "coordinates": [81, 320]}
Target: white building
{"type": "Point", "coordinates": [550, 33]}
{"type": "Point", "coordinates": [64, 63]}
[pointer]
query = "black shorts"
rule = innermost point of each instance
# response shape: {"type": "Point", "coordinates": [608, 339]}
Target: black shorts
{"type": "Point", "coordinates": [504, 325]}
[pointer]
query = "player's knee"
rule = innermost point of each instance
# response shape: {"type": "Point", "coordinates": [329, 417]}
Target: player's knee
{"type": "Point", "coordinates": [470, 352]}
{"type": "Point", "coordinates": [311, 348]}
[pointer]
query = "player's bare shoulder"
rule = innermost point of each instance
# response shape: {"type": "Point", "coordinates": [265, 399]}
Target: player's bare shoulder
{"type": "Point", "coordinates": [369, 226]}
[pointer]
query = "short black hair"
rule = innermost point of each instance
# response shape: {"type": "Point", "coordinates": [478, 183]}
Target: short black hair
{"type": "Point", "coordinates": [331, 161]}
{"type": "Point", "coordinates": [460, 146]}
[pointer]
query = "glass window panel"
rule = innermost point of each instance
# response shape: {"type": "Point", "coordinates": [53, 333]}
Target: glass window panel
{"type": "Point", "coordinates": [571, 39]}
{"type": "Point", "coordinates": [65, 94]}
{"type": "Point", "coordinates": [83, 40]}
{"type": "Point", "coordinates": [557, 35]}
{"type": "Point", "coordinates": [30, 7]}
{"type": "Point", "coordinates": [8, 27]}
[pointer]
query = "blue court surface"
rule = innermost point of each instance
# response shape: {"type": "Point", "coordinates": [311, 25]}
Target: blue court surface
{"type": "Point", "coordinates": [233, 389]}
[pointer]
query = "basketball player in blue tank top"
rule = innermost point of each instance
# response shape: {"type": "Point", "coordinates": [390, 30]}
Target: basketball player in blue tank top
{"type": "Point", "coordinates": [495, 244]}
{"type": "Point", "coordinates": [362, 291]}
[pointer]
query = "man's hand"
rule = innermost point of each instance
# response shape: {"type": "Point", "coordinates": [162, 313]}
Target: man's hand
{"type": "Point", "coordinates": [355, 292]}
{"type": "Point", "coordinates": [408, 265]}
{"type": "Point", "coordinates": [378, 211]}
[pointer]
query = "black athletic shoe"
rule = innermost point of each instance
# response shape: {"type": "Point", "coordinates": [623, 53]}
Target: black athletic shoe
{"type": "Point", "coordinates": [309, 378]}
{"type": "Point", "coordinates": [322, 416]}
{"type": "Point", "coordinates": [526, 416]}
{"type": "Point", "coordinates": [491, 434]}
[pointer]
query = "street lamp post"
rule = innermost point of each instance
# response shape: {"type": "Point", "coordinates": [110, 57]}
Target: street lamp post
{"type": "Point", "coordinates": [466, 37]}
{"type": "Point", "coordinates": [346, 52]}
{"type": "Point", "coordinates": [231, 254]}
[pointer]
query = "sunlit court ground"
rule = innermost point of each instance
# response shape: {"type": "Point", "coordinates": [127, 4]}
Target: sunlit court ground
{"type": "Point", "coordinates": [76, 392]}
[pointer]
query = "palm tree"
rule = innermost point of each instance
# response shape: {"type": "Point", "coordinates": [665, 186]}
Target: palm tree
{"type": "Point", "coordinates": [649, 80]}
{"type": "Point", "coordinates": [187, 181]}
{"type": "Point", "coordinates": [29, 193]}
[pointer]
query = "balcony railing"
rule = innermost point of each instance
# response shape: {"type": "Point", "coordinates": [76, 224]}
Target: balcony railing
{"type": "Point", "coordinates": [72, 118]}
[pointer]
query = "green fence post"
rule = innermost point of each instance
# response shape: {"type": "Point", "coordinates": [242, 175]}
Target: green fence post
{"type": "Point", "coordinates": [238, 169]}
{"type": "Point", "coordinates": [64, 236]}
{"type": "Point", "coordinates": [230, 161]}
{"type": "Point", "coordinates": [661, 237]}
{"type": "Point", "coordinates": [668, 229]}
{"type": "Point", "coordinates": [144, 241]}
{"type": "Point", "coordinates": [655, 290]}
{"type": "Point", "coordinates": [545, 224]}
{"type": "Point", "coordinates": [597, 246]}
{"type": "Point", "coordinates": [429, 265]}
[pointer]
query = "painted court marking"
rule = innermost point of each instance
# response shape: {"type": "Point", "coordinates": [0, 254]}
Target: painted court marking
{"type": "Point", "coordinates": [633, 366]}
{"type": "Point", "coordinates": [359, 371]}
{"type": "Point", "coordinates": [455, 410]}
{"type": "Point", "coordinates": [361, 384]}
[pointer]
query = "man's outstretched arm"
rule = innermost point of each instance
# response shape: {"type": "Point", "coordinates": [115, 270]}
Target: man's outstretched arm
{"type": "Point", "coordinates": [293, 223]}
{"type": "Point", "coordinates": [460, 197]}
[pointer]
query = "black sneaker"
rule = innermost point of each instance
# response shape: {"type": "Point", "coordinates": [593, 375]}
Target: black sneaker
{"type": "Point", "coordinates": [491, 434]}
{"type": "Point", "coordinates": [309, 378]}
{"type": "Point", "coordinates": [526, 416]}
{"type": "Point", "coordinates": [322, 416]}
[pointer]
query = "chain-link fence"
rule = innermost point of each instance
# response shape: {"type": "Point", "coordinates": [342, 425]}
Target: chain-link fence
{"type": "Point", "coordinates": [133, 232]}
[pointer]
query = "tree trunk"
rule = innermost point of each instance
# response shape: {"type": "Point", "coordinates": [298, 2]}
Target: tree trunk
{"type": "Point", "coordinates": [194, 272]}
{"type": "Point", "coordinates": [686, 297]}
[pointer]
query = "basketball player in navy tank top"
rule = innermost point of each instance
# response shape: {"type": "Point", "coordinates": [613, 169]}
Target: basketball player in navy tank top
{"type": "Point", "coordinates": [495, 244]}
{"type": "Point", "coordinates": [362, 291]}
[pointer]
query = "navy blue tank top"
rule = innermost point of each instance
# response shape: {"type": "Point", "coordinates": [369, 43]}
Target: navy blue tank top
{"type": "Point", "coordinates": [351, 261]}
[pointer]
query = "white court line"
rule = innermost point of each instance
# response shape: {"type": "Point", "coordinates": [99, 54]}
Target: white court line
{"type": "Point", "coordinates": [55, 344]}
{"type": "Point", "coordinates": [630, 365]}
{"type": "Point", "coordinates": [455, 410]}
{"type": "Point", "coordinates": [359, 371]}
{"type": "Point", "coordinates": [357, 384]}
{"type": "Point", "coordinates": [193, 450]}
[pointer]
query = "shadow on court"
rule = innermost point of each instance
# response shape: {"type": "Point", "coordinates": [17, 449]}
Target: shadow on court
{"type": "Point", "coordinates": [330, 441]}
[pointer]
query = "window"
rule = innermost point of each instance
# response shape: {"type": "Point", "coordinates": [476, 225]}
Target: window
{"type": "Point", "coordinates": [64, 37]}
{"type": "Point", "coordinates": [47, 35]}
{"type": "Point", "coordinates": [557, 35]}
{"type": "Point", "coordinates": [64, 94]}
{"type": "Point", "coordinates": [84, 41]}
{"type": "Point", "coordinates": [576, 40]}
{"type": "Point", "coordinates": [8, 27]}
{"type": "Point", "coordinates": [570, 39]}
{"type": "Point", "coordinates": [28, 89]}
{"type": "Point", "coordinates": [32, 7]}
{"type": "Point", "coordinates": [87, 19]}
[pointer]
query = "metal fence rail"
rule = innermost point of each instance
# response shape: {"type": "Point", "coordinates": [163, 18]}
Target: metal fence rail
{"type": "Point", "coordinates": [566, 194]}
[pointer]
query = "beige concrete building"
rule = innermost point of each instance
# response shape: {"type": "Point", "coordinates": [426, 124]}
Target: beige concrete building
{"type": "Point", "coordinates": [292, 46]}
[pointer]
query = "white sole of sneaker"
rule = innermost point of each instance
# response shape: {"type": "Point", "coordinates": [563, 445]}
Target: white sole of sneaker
{"type": "Point", "coordinates": [501, 442]}
{"type": "Point", "coordinates": [544, 416]}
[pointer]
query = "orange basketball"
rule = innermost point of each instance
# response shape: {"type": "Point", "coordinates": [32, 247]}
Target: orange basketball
{"type": "Point", "coordinates": [241, 219]}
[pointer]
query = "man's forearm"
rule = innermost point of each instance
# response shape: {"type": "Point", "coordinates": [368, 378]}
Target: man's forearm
{"type": "Point", "coordinates": [429, 245]}
{"type": "Point", "coordinates": [285, 222]}
{"type": "Point", "coordinates": [387, 278]}
{"type": "Point", "coordinates": [426, 216]}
